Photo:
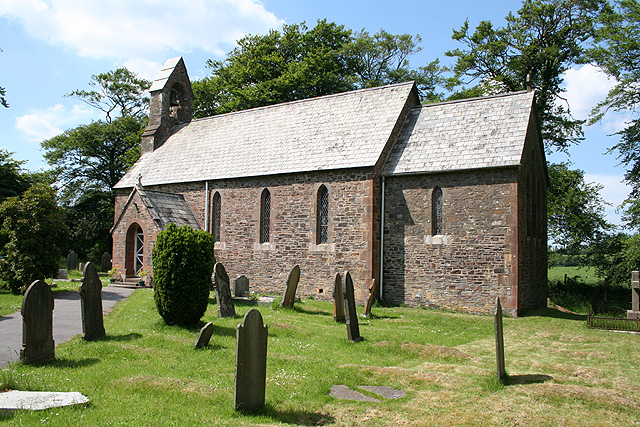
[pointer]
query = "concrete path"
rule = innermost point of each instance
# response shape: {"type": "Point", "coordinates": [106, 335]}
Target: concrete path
{"type": "Point", "coordinates": [67, 321]}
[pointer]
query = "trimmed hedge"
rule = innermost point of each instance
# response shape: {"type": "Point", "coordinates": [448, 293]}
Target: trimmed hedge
{"type": "Point", "coordinates": [182, 266]}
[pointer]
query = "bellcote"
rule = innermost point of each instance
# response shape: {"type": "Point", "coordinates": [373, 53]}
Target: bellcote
{"type": "Point", "coordinates": [171, 103]}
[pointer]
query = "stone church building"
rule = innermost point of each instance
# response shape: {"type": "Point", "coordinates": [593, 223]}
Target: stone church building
{"type": "Point", "coordinates": [444, 204]}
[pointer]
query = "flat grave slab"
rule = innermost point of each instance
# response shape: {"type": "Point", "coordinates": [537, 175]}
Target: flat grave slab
{"type": "Point", "coordinates": [39, 400]}
{"type": "Point", "coordinates": [384, 391]}
{"type": "Point", "coordinates": [345, 393]}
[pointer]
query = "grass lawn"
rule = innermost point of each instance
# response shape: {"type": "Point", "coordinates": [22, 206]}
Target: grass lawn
{"type": "Point", "coordinates": [584, 274]}
{"type": "Point", "coordinates": [146, 373]}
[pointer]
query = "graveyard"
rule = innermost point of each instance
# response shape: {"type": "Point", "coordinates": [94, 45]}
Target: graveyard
{"type": "Point", "coordinates": [441, 365]}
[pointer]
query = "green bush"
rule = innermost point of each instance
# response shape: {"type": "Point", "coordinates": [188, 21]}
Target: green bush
{"type": "Point", "coordinates": [182, 267]}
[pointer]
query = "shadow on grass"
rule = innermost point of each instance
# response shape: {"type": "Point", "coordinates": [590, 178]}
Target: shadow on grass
{"type": "Point", "coordinates": [311, 312]}
{"type": "Point", "coordinates": [555, 313]}
{"type": "Point", "coordinates": [300, 418]}
{"type": "Point", "coordinates": [67, 363]}
{"type": "Point", "coordinates": [122, 338]}
{"type": "Point", "coordinates": [527, 379]}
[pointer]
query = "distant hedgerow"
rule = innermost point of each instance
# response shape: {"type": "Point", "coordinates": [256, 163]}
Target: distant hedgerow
{"type": "Point", "coordinates": [182, 266]}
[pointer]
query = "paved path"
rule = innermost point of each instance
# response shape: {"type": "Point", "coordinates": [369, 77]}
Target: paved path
{"type": "Point", "coordinates": [67, 321]}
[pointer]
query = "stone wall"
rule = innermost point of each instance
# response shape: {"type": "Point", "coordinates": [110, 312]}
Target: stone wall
{"type": "Point", "coordinates": [473, 261]}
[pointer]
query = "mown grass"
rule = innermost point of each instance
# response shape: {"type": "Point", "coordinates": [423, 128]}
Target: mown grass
{"type": "Point", "coordinates": [147, 373]}
{"type": "Point", "coordinates": [585, 274]}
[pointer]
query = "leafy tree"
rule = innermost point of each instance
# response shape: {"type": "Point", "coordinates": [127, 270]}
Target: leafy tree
{"type": "Point", "coordinates": [90, 220]}
{"type": "Point", "coordinates": [616, 50]}
{"type": "Point", "coordinates": [119, 91]}
{"type": "Point", "coordinates": [299, 63]}
{"type": "Point", "coordinates": [13, 181]}
{"type": "Point", "coordinates": [539, 43]}
{"type": "Point", "coordinates": [575, 209]}
{"type": "Point", "coordinates": [32, 235]}
{"type": "Point", "coordinates": [182, 267]}
{"type": "Point", "coordinates": [95, 156]}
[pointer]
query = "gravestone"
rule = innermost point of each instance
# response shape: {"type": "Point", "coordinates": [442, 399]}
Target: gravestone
{"type": "Point", "coordinates": [205, 335]}
{"type": "Point", "coordinates": [81, 266]}
{"type": "Point", "coordinates": [223, 292]}
{"type": "Point", "coordinates": [91, 304]}
{"type": "Point", "coordinates": [371, 299]}
{"type": "Point", "coordinates": [105, 262]}
{"type": "Point", "coordinates": [502, 375]}
{"type": "Point", "coordinates": [251, 363]}
{"type": "Point", "coordinates": [353, 330]}
{"type": "Point", "coordinates": [240, 286]}
{"type": "Point", "coordinates": [37, 323]}
{"type": "Point", "coordinates": [338, 300]}
{"type": "Point", "coordinates": [62, 274]}
{"type": "Point", "coordinates": [634, 313]}
{"type": "Point", "coordinates": [292, 285]}
{"type": "Point", "coordinates": [72, 261]}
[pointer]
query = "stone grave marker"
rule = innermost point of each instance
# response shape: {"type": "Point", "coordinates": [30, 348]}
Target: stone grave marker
{"type": "Point", "coordinates": [240, 286]}
{"type": "Point", "coordinates": [338, 300]}
{"type": "Point", "coordinates": [353, 330]}
{"type": "Point", "coordinates": [251, 363]}
{"type": "Point", "coordinates": [62, 274]}
{"type": "Point", "coordinates": [223, 292]}
{"type": "Point", "coordinates": [91, 304]}
{"type": "Point", "coordinates": [502, 375]}
{"type": "Point", "coordinates": [105, 262]}
{"type": "Point", "coordinates": [371, 299]}
{"type": "Point", "coordinates": [37, 323]}
{"type": "Point", "coordinates": [634, 313]}
{"type": "Point", "coordinates": [72, 261]}
{"type": "Point", "coordinates": [292, 285]}
{"type": "Point", "coordinates": [205, 335]}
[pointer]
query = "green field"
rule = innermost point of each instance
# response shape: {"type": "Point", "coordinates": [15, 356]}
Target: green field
{"type": "Point", "coordinates": [584, 274]}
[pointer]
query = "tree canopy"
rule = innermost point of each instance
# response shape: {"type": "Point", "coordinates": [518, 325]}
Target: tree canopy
{"type": "Point", "coordinates": [13, 180]}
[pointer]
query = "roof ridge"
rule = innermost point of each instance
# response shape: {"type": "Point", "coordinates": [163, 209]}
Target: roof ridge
{"type": "Point", "coordinates": [477, 98]}
{"type": "Point", "coordinates": [299, 101]}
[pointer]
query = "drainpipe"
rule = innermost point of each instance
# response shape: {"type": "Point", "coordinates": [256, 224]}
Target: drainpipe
{"type": "Point", "coordinates": [206, 206]}
{"type": "Point", "coordinates": [381, 238]}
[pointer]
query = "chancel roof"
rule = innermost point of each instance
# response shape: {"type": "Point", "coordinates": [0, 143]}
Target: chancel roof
{"type": "Point", "coordinates": [347, 130]}
{"type": "Point", "coordinates": [467, 134]}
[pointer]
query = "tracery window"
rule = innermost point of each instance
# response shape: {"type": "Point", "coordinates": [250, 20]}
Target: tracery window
{"type": "Point", "coordinates": [216, 215]}
{"type": "Point", "coordinates": [322, 212]}
{"type": "Point", "coordinates": [265, 216]}
{"type": "Point", "coordinates": [436, 214]}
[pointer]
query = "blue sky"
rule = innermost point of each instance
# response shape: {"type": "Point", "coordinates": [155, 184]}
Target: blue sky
{"type": "Point", "coordinates": [52, 47]}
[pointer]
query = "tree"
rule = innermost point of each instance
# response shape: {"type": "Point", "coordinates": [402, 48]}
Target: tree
{"type": "Point", "coordinates": [13, 180]}
{"type": "Point", "coordinates": [616, 50]}
{"type": "Point", "coordinates": [32, 235]}
{"type": "Point", "coordinates": [118, 91]}
{"type": "Point", "coordinates": [575, 208]}
{"type": "Point", "coordinates": [92, 218]}
{"type": "Point", "coordinates": [537, 45]}
{"type": "Point", "coordinates": [299, 63]}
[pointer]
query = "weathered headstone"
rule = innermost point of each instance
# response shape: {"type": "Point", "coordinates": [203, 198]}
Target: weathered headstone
{"type": "Point", "coordinates": [223, 292]}
{"type": "Point", "coordinates": [634, 313]}
{"type": "Point", "coordinates": [502, 374]}
{"type": "Point", "coordinates": [37, 323]}
{"type": "Point", "coordinates": [205, 335]}
{"type": "Point", "coordinates": [292, 285]}
{"type": "Point", "coordinates": [105, 262]}
{"type": "Point", "coordinates": [371, 299]}
{"type": "Point", "coordinates": [240, 286]}
{"type": "Point", "coordinates": [81, 266]}
{"type": "Point", "coordinates": [62, 274]}
{"type": "Point", "coordinates": [353, 330]}
{"type": "Point", "coordinates": [251, 363]}
{"type": "Point", "coordinates": [91, 304]}
{"type": "Point", "coordinates": [72, 261]}
{"type": "Point", "coordinates": [338, 300]}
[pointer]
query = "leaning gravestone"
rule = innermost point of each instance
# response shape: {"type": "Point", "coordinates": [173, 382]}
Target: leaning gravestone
{"type": "Point", "coordinates": [371, 299]}
{"type": "Point", "coordinates": [251, 363]}
{"type": "Point", "coordinates": [240, 286]}
{"type": "Point", "coordinates": [338, 300]}
{"type": "Point", "coordinates": [105, 262]}
{"type": "Point", "coordinates": [353, 330]}
{"type": "Point", "coordinates": [37, 323]}
{"type": "Point", "coordinates": [91, 302]}
{"type": "Point", "coordinates": [223, 292]}
{"type": "Point", "coordinates": [205, 335]}
{"type": "Point", "coordinates": [634, 313]}
{"type": "Point", "coordinates": [72, 261]}
{"type": "Point", "coordinates": [502, 375]}
{"type": "Point", "coordinates": [292, 285]}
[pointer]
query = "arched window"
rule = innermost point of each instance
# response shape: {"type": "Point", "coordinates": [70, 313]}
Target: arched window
{"type": "Point", "coordinates": [216, 212]}
{"type": "Point", "coordinates": [139, 251]}
{"type": "Point", "coordinates": [265, 216]}
{"type": "Point", "coordinates": [436, 211]}
{"type": "Point", "coordinates": [322, 214]}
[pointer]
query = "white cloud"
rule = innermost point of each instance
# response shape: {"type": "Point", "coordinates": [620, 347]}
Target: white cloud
{"type": "Point", "coordinates": [43, 124]}
{"type": "Point", "coordinates": [586, 86]}
{"type": "Point", "coordinates": [127, 29]}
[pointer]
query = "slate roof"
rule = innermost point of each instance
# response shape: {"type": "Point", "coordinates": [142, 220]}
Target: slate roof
{"type": "Point", "coordinates": [467, 134]}
{"type": "Point", "coordinates": [345, 130]}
